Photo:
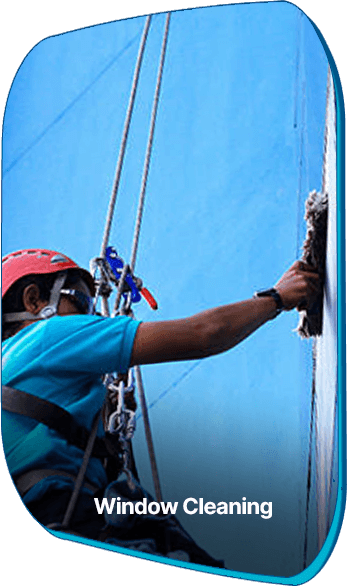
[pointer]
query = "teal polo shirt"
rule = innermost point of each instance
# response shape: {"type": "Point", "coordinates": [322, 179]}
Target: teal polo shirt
{"type": "Point", "coordinates": [61, 360]}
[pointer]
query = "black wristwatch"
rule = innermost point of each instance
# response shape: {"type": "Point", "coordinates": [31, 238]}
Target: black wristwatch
{"type": "Point", "coordinates": [273, 293]}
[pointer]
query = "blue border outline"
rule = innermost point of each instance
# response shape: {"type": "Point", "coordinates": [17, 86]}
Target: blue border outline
{"type": "Point", "coordinates": [315, 567]}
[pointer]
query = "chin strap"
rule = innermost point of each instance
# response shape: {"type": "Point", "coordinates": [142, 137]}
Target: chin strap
{"type": "Point", "coordinates": [46, 312]}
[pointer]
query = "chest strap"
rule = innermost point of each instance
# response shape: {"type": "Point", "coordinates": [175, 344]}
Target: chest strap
{"type": "Point", "coordinates": [30, 478]}
{"type": "Point", "coordinates": [51, 415]}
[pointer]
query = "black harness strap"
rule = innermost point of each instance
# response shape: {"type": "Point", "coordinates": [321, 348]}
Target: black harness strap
{"type": "Point", "coordinates": [30, 478]}
{"type": "Point", "coordinates": [51, 415]}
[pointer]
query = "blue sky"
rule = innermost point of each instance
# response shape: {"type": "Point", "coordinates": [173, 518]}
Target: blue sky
{"type": "Point", "coordinates": [242, 103]}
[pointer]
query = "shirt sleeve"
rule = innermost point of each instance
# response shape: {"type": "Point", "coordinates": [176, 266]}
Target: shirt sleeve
{"type": "Point", "coordinates": [88, 344]}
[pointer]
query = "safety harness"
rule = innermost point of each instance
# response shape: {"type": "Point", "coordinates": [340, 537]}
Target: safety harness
{"type": "Point", "coordinates": [118, 412]}
{"type": "Point", "coordinates": [61, 421]}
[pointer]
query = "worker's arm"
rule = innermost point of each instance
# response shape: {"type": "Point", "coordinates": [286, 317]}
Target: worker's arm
{"type": "Point", "coordinates": [217, 330]}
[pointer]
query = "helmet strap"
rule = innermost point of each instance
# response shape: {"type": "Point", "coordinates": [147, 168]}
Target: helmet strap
{"type": "Point", "coordinates": [48, 311]}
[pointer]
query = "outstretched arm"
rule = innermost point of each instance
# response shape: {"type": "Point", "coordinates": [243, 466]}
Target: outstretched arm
{"type": "Point", "coordinates": [219, 329]}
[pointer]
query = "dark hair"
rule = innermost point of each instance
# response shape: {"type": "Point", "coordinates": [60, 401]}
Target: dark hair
{"type": "Point", "coordinates": [13, 299]}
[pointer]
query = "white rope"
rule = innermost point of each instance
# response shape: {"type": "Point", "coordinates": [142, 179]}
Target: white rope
{"type": "Point", "coordinates": [81, 474]}
{"type": "Point", "coordinates": [138, 222]}
{"type": "Point", "coordinates": [148, 433]}
{"type": "Point", "coordinates": [139, 381]}
{"type": "Point", "coordinates": [149, 147]}
{"type": "Point", "coordinates": [124, 138]}
{"type": "Point", "coordinates": [104, 301]}
{"type": "Point", "coordinates": [138, 375]}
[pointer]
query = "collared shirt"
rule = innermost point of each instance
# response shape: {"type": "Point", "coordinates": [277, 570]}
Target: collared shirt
{"type": "Point", "coordinates": [61, 360]}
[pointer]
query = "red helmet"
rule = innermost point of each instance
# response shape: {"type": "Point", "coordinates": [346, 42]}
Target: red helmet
{"type": "Point", "coordinates": [38, 261]}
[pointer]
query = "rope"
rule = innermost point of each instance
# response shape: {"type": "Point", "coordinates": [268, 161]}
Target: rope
{"type": "Point", "coordinates": [148, 434]}
{"type": "Point", "coordinates": [90, 444]}
{"type": "Point", "coordinates": [149, 146]}
{"type": "Point", "coordinates": [110, 213]}
{"type": "Point", "coordinates": [124, 138]}
{"type": "Point", "coordinates": [81, 474]}
{"type": "Point", "coordinates": [138, 375]}
{"type": "Point", "coordinates": [120, 288]}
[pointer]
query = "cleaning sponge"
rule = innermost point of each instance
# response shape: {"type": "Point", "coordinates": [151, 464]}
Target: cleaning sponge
{"type": "Point", "coordinates": [314, 253]}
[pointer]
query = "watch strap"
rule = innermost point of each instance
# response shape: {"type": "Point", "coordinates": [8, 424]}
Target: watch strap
{"type": "Point", "coordinates": [273, 293]}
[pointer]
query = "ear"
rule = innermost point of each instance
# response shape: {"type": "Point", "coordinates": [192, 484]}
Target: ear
{"type": "Point", "coordinates": [31, 299]}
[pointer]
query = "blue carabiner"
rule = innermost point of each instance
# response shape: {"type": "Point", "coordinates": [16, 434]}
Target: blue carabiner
{"type": "Point", "coordinates": [117, 264]}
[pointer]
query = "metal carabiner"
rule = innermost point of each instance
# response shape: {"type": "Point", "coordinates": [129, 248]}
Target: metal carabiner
{"type": "Point", "coordinates": [122, 418]}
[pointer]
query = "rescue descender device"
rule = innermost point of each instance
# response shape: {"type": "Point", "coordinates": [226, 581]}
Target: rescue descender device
{"type": "Point", "coordinates": [134, 284]}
